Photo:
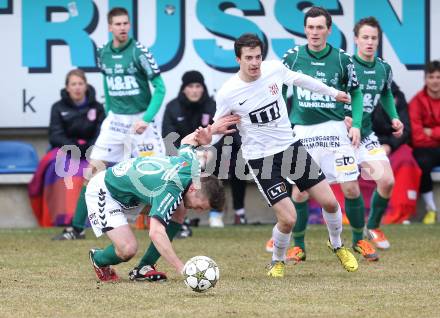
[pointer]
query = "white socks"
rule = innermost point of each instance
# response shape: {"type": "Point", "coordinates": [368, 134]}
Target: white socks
{"type": "Point", "coordinates": [280, 244]}
{"type": "Point", "coordinates": [428, 198]}
{"type": "Point", "coordinates": [334, 226]}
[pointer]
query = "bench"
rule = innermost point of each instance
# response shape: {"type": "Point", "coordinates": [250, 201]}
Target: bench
{"type": "Point", "coordinates": [18, 162]}
{"type": "Point", "coordinates": [435, 174]}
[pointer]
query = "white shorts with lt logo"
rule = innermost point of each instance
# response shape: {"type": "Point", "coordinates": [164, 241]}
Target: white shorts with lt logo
{"type": "Point", "coordinates": [117, 140]}
{"type": "Point", "coordinates": [105, 213]}
{"type": "Point", "coordinates": [330, 147]}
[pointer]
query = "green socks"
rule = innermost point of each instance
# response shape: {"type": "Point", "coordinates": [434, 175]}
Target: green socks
{"type": "Point", "coordinates": [355, 210]}
{"type": "Point", "coordinates": [302, 217]}
{"type": "Point", "coordinates": [152, 254]}
{"type": "Point", "coordinates": [107, 257]}
{"type": "Point", "coordinates": [377, 209]}
{"type": "Point", "coordinates": [80, 216]}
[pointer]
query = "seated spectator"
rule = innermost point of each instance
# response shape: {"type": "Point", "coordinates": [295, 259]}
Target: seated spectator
{"type": "Point", "coordinates": [75, 121]}
{"type": "Point", "coordinates": [77, 117]}
{"type": "Point", "coordinates": [424, 113]}
{"type": "Point", "coordinates": [193, 107]}
{"type": "Point", "coordinates": [382, 125]}
{"type": "Point", "coordinates": [402, 204]}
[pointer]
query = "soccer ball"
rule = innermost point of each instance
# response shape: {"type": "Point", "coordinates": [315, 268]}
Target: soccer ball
{"type": "Point", "coordinates": [200, 273]}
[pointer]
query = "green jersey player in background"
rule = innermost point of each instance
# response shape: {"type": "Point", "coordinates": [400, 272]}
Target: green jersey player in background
{"type": "Point", "coordinates": [120, 193]}
{"type": "Point", "coordinates": [319, 124]}
{"type": "Point", "coordinates": [129, 129]}
{"type": "Point", "coordinates": [375, 78]}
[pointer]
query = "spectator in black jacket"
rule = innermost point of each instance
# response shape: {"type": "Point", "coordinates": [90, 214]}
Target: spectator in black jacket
{"type": "Point", "coordinates": [402, 204]}
{"type": "Point", "coordinates": [76, 118]}
{"type": "Point", "coordinates": [382, 124]}
{"type": "Point", "coordinates": [193, 107]}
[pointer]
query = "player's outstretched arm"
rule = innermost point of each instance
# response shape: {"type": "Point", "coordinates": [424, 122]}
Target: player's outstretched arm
{"type": "Point", "coordinates": [162, 243]}
{"type": "Point", "coordinates": [203, 135]}
{"type": "Point", "coordinates": [192, 138]}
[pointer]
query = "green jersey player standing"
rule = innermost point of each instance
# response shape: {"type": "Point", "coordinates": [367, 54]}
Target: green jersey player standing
{"type": "Point", "coordinates": [129, 129]}
{"type": "Point", "coordinates": [375, 78]}
{"type": "Point", "coordinates": [319, 124]}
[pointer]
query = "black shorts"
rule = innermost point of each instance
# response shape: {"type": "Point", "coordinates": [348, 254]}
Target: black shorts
{"type": "Point", "coordinates": [275, 173]}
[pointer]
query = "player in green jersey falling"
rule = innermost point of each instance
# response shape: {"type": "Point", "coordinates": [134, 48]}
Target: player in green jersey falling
{"type": "Point", "coordinates": [129, 129]}
{"type": "Point", "coordinates": [375, 78]}
{"type": "Point", "coordinates": [319, 124]}
{"type": "Point", "coordinates": [122, 192]}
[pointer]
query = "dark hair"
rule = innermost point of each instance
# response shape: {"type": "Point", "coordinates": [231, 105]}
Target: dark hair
{"type": "Point", "coordinates": [317, 12]}
{"type": "Point", "coordinates": [247, 40]}
{"type": "Point", "coordinates": [433, 66]}
{"type": "Point", "coordinates": [76, 72]}
{"type": "Point", "coordinates": [213, 189]}
{"type": "Point", "coordinates": [370, 21]}
{"type": "Point", "coordinates": [116, 12]}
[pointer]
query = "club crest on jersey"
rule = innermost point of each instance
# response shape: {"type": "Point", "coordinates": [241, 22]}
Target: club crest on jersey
{"type": "Point", "coordinates": [91, 114]}
{"type": "Point", "coordinates": [335, 79]}
{"type": "Point", "coordinates": [273, 89]}
{"type": "Point", "coordinates": [131, 69]}
{"type": "Point", "coordinates": [205, 119]}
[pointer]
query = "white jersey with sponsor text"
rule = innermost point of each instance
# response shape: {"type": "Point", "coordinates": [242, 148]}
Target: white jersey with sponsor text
{"type": "Point", "coordinates": [264, 123]}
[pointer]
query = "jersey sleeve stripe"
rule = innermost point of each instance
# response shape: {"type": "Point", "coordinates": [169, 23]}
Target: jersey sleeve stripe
{"type": "Point", "coordinates": [173, 208]}
{"type": "Point", "coordinates": [148, 56]}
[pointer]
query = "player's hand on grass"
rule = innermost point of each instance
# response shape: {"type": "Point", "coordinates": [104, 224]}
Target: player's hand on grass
{"type": "Point", "coordinates": [355, 136]}
{"type": "Point", "coordinates": [398, 127]}
{"type": "Point", "coordinates": [140, 126]}
{"type": "Point", "coordinates": [221, 125]}
{"type": "Point", "coordinates": [343, 97]}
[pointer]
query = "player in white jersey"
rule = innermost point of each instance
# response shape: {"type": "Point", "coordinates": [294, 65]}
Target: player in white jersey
{"type": "Point", "coordinates": [274, 158]}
